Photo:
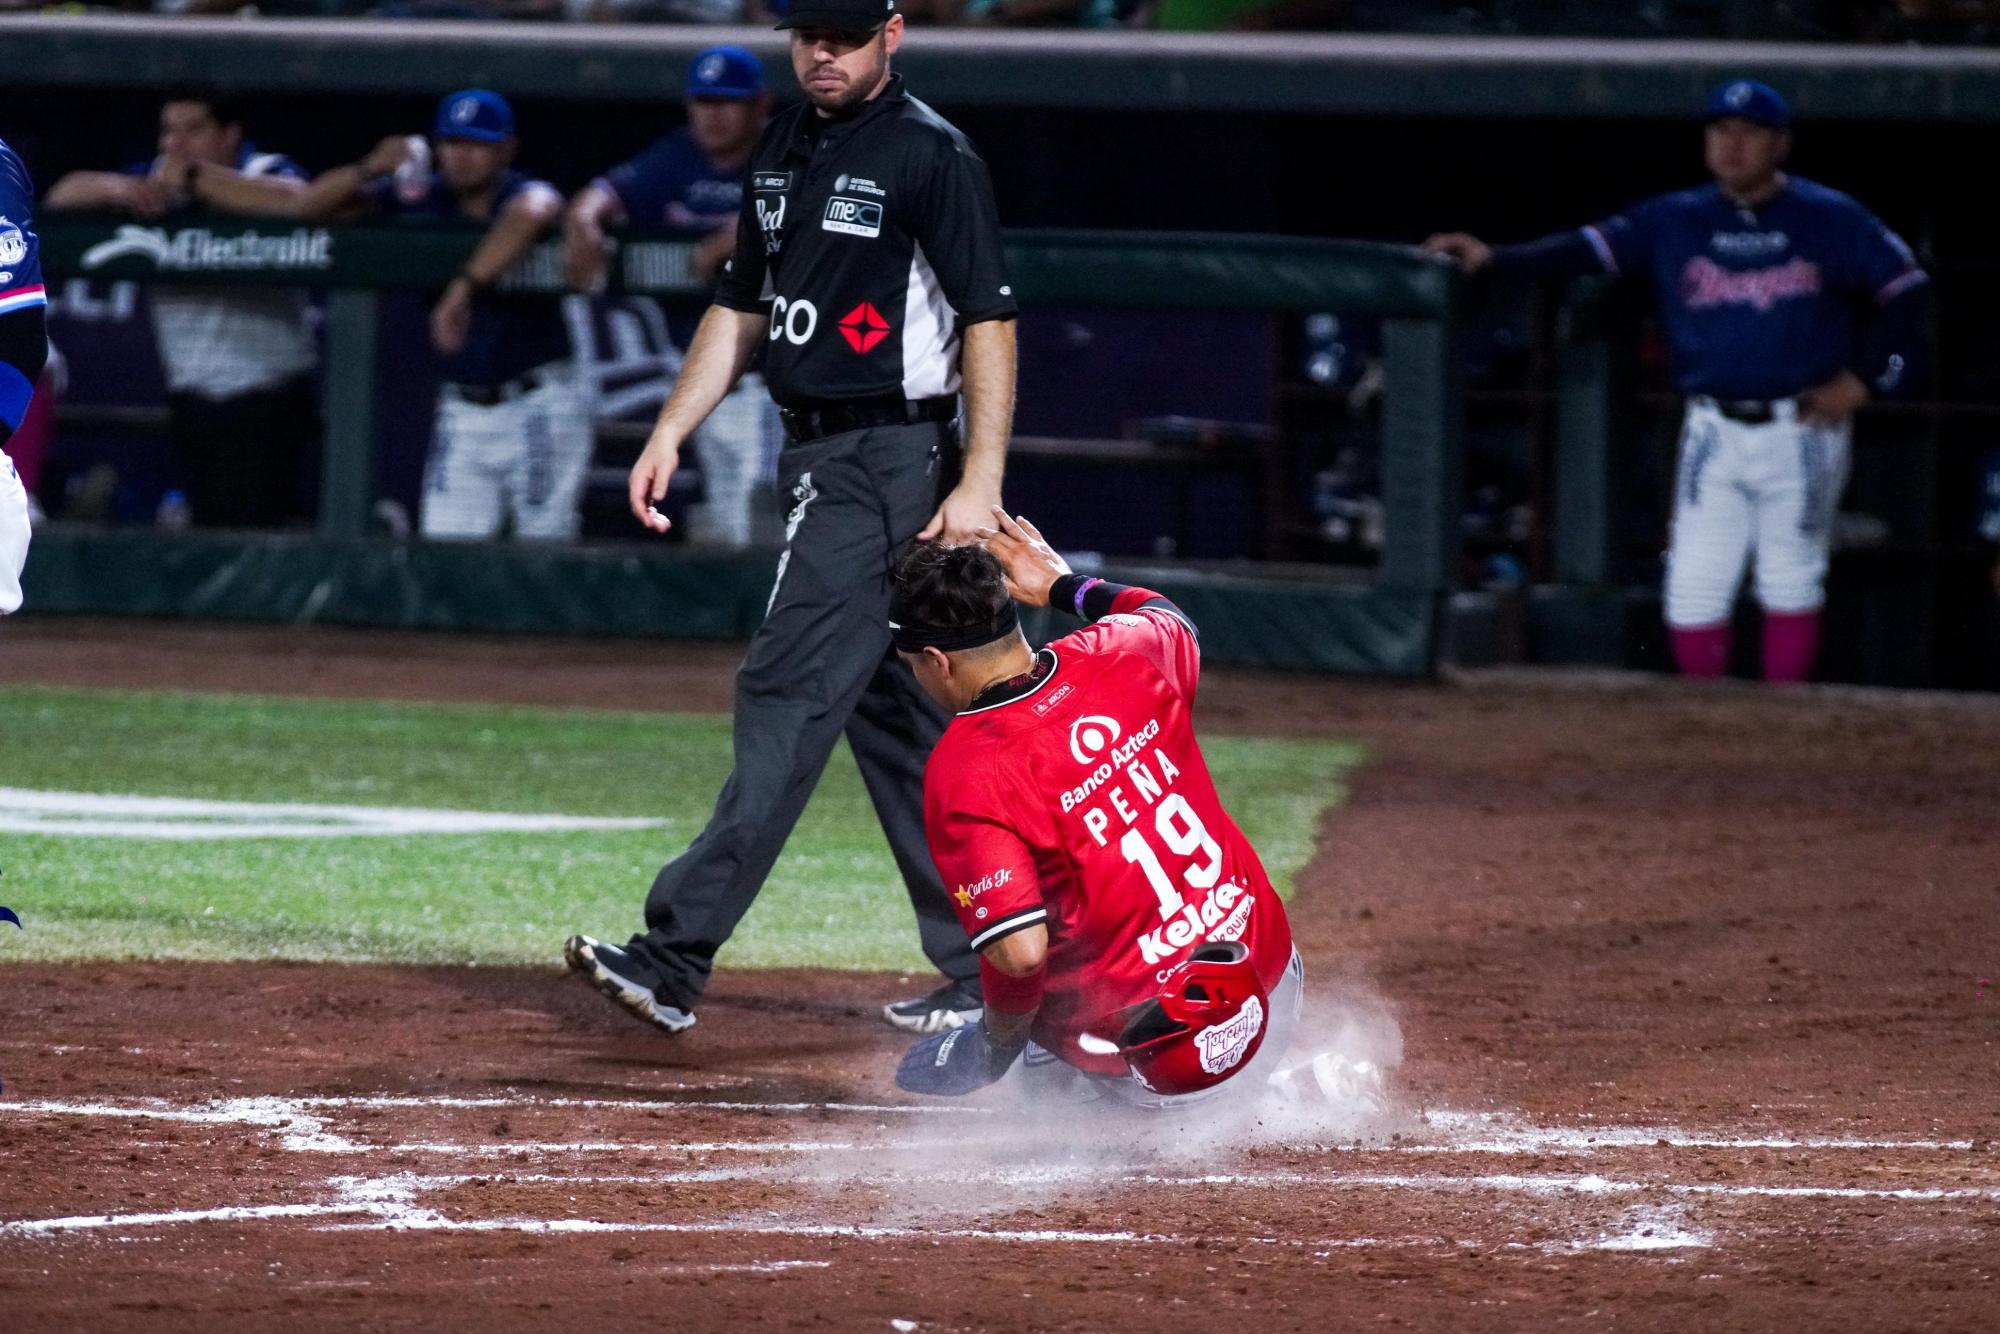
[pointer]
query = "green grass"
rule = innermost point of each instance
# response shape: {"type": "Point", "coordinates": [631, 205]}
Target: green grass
{"type": "Point", "coordinates": [833, 900]}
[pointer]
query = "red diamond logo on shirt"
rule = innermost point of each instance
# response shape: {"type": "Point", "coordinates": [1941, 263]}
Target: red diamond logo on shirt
{"type": "Point", "coordinates": [863, 327]}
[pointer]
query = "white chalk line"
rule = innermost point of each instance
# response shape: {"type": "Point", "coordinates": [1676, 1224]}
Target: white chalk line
{"type": "Point", "coordinates": [750, 1146]}
{"type": "Point", "coordinates": [1542, 1185]}
{"type": "Point", "coordinates": [1645, 1240]}
{"type": "Point", "coordinates": [1487, 1133]}
{"type": "Point", "coordinates": [386, 1203]}
{"type": "Point", "coordinates": [303, 1131]}
{"type": "Point", "coordinates": [1493, 1133]}
{"type": "Point", "coordinates": [641, 1104]}
{"type": "Point", "coordinates": [28, 1227]}
{"type": "Point", "coordinates": [391, 1216]}
{"type": "Point", "coordinates": [182, 819]}
{"type": "Point", "coordinates": [752, 1267]}
{"type": "Point", "coordinates": [389, 1203]}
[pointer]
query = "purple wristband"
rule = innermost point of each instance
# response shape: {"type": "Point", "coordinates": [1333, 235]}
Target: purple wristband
{"type": "Point", "coordinates": [1083, 588]}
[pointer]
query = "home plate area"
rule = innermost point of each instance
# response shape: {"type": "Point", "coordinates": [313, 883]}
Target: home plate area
{"type": "Point", "coordinates": [731, 1181]}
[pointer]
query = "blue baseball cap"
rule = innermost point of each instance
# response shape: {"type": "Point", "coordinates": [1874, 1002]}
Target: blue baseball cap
{"type": "Point", "coordinates": [1746, 99]}
{"type": "Point", "coordinates": [475, 113]}
{"type": "Point", "coordinates": [725, 72]}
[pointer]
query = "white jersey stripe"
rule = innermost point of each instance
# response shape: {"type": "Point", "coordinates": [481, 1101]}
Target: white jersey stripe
{"type": "Point", "coordinates": [1007, 926]}
{"type": "Point", "coordinates": [930, 334]}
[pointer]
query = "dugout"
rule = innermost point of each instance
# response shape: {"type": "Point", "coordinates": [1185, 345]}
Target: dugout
{"type": "Point", "coordinates": [1377, 138]}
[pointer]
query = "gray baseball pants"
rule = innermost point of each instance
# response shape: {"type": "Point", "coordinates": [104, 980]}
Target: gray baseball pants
{"type": "Point", "coordinates": [819, 667]}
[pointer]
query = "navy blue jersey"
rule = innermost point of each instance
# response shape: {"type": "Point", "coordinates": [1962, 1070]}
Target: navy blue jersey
{"type": "Point", "coordinates": [509, 334]}
{"type": "Point", "coordinates": [20, 252]}
{"type": "Point", "coordinates": [1758, 303]}
{"type": "Point", "coordinates": [673, 184]}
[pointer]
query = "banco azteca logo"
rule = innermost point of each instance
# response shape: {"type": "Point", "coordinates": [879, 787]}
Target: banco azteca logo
{"type": "Point", "coordinates": [1089, 736]}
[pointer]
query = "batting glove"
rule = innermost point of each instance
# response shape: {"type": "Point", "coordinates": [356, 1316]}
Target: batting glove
{"type": "Point", "coordinates": [953, 1063]}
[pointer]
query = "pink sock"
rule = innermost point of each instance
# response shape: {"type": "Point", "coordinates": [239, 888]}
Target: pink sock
{"type": "Point", "coordinates": [1701, 651]}
{"type": "Point", "coordinates": [1791, 642]}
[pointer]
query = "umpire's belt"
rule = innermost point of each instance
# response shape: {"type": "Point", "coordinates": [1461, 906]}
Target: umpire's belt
{"type": "Point", "coordinates": [488, 395]}
{"type": "Point", "coordinates": [803, 424]}
{"type": "Point", "coordinates": [1749, 411]}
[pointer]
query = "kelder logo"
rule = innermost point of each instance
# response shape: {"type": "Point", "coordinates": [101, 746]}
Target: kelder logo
{"type": "Point", "coordinates": [197, 249]}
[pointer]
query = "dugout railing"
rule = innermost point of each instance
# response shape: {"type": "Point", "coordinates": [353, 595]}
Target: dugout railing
{"type": "Point", "coordinates": [1285, 72]}
{"type": "Point", "coordinates": [1388, 623]}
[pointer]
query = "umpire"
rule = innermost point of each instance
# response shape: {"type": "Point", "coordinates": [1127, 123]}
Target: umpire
{"type": "Point", "coordinates": [868, 267]}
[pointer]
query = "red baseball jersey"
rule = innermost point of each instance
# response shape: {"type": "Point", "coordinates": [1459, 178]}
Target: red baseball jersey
{"type": "Point", "coordinates": [1082, 801]}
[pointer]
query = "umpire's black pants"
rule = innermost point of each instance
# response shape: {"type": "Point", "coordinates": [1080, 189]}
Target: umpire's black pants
{"type": "Point", "coordinates": [821, 665]}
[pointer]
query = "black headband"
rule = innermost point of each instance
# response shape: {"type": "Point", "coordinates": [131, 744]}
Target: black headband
{"type": "Point", "coordinates": [910, 637]}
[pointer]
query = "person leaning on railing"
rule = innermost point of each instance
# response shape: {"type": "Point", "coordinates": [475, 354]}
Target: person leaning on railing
{"type": "Point", "coordinates": [513, 437]}
{"type": "Point", "coordinates": [241, 409]}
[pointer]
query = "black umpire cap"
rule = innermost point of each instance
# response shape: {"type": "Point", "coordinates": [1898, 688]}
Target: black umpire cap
{"type": "Point", "coordinates": [839, 15]}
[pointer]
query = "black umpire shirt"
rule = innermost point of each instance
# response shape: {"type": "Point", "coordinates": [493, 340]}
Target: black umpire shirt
{"type": "Point", "coordinates": [872, 240]}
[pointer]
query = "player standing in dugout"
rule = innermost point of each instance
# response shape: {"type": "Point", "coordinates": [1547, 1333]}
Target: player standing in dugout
{"type": "Point", "coordinates": [868, 266]}
{"type": "Point", "coordinates": [1759, 279]}
{"type": "Point", "coordinates": [692, 179]}
{"type": "Point", "coordinates": [511, 440]}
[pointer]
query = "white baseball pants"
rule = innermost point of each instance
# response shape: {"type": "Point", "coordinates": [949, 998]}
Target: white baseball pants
{"type": "Point", "coordinates": [525, 457]}
{"type": "Point", "coordinates": [1766, 492]}
{"type": "Point", "coordinates": [737, 447]}
{"type": "Point", "coordinates": [13, 534]}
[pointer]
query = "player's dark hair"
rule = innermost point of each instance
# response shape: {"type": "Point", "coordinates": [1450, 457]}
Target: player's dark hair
{"type": "Point", "coordinates": [950, 586]}
{"type": "Point", "coordinates": [225, 107]}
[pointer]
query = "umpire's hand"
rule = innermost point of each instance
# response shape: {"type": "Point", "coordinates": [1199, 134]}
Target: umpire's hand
{"type": "Point", "coordinates": [647, 486]}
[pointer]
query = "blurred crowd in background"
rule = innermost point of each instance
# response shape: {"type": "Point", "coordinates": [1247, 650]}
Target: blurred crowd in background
{"type": "Point", "coordinates": [1927, 22]}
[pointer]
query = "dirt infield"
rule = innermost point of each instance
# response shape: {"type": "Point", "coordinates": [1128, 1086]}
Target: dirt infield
{"type": "Point", "coordinates": [1696, 988]}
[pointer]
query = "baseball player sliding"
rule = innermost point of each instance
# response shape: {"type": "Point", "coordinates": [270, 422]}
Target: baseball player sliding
{"type": "Point", "coordinates": [1759, 277]}
{"type": "Point", "coordinates": [24, 347]}
{"type": "Point", "coordinates": [1130, 944]}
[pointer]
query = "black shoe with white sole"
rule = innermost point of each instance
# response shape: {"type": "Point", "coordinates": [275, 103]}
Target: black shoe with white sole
{"type": "Point", "coordinates": [624, 979]}
{"type": "Point", "coordinates": [953, 1005]}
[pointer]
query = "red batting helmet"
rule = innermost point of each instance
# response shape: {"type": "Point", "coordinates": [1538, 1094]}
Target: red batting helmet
{"type": "Point", "coordinates": [1206, 1025]}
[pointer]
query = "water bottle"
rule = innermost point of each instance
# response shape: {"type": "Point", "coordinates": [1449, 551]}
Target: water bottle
{"type": "Point", "coordinates": [413, 177]}
{"type": "Point", "coordinates": [174, 514]}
